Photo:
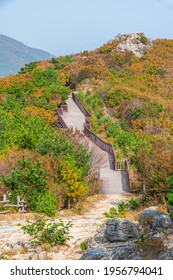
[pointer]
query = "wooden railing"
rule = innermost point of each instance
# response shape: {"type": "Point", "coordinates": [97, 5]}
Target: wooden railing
{"type": "Point", "coordinates": [81, 106]}
{"type": "Point", "coordinates": [127, 170]}
{"type": "Point", "coordinates": [63, 107]}
{"type": "Point", "coordinates": [21, 205]}
{"type": "Point", "coordinates": [121, 165]}
{"type": "Point", "coordinates": [87, 123]}
{"type": "Point", "coordinates": [101, 144]}
{"type": "Point", "coordinates": [60, 119]}
{"type": "Point", "coordinates": [105, 146]}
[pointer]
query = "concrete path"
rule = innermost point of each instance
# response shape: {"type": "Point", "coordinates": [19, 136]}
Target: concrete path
{"type": "Point", "coordinates": [74, 118]}
{"type": "Point", "coordinates": [113, 181]}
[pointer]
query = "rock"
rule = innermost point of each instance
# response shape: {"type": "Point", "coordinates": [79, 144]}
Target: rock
{"type": "Point", "coordinates": [18, 246]}
{"type": "Point", "coordinates": [6, 247]}
{"type": "Point", "coordinates": [117, 240]}
{"type": "Point", "coordinates": [133, 43]}
{"type": "Point", "coordinates": [125, 251]}
{"type": "Point", "coordinates": [95, 254]}
{"type": "Point", "coordinates": [38, 249]}
{"type": "Point", "coordinates": [120, 230]}
{"type": "Point", "coordinates": [38, 256]}
{"type": "Point", "coordinates": [166, 255]}
{"type": "Point", "coordinates": [156, 221]}
{"type": "Point", "coordinates": [27, 246]}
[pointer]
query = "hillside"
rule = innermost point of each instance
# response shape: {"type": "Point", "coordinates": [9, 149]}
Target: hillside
{"type": "Point", "coordinates": [129, 94]}
{"type": "Point", "coordinates": [126, 85]}
{"type": "Point", "coordinates": [130, 97]}
{"type": "Point", "coordinates": [14, 55]}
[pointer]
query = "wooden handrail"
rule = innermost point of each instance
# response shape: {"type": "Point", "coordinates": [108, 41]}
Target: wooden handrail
{"type": "Point", "coordinates": [61, 121]}
{"type": "Point", "coordinates": [127, 170]}
{"type": "Point", "coordinates": [105, 146]}
{"type": "Point", "coordinates": [81, 106]}
{"type": "Point", "coordinates": [60, 109]}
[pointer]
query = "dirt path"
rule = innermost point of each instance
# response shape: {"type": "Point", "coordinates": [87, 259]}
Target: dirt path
{"type": "Point", "coordinates": [84, 226]}
{"type": "Point", "coordinates": [87, 225]}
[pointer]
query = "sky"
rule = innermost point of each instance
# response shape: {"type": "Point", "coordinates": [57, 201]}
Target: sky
{"type": "Point", "coordinates": [69, 26]}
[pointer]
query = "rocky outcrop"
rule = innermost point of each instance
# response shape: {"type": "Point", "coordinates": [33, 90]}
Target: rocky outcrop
{"type": "Point", "coordinates": [124, 251]}
{"type": "Point", "coordinates": [156, 221]}
{"type": "Point", "coordinates": [120, 239]}
{"type": "Point", "coordinates": [120, 230]}
{"type": "Point", "coordinates": [135, 42]}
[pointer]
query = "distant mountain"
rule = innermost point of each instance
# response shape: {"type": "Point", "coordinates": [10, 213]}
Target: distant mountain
{"type": "Point", "coordinates": [14, 55]}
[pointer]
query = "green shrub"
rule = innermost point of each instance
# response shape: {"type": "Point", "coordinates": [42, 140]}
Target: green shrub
{"type": "Point", "coordinates": [47, 232]}
{"type": "Point", "coordinates": [47, 204]}
{"type": "Point", "coordinates": [62, 61]}
{"type": "Point", "coordinates": [170, 198]}
{"type": "Point", "coordinates": [143, 40]}
{"type": "Point", "coordinates": [134, 204]}
{"type": "Point", "coordinates": [113, 213]}
{"type": "Point", "coordinates": [119, 212]}
{"type": "Point", "coordinates": [170, 191]}
{"type": "Point", "coordinates": [30, 182]}
{"type": "Point", "coordinates": [115, 97]}
{"type": "Point", "coordinates": [122, 208]}
{"type": "Point", "coordinates": [84, 246]}
{"type": "Point", "coordinates": [28, 68]}
{"type": "Point", "coordinates": [171, 215]}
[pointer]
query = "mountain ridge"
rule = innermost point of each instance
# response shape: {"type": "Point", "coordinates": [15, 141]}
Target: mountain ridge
{"type": "Point", "coordinates": [14, 55]}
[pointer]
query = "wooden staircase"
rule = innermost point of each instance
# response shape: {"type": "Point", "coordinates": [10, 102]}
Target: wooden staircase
{"type": "Point", "coordinates": [112, 172]}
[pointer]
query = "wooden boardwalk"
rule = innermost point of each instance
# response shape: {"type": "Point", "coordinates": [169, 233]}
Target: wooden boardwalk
{"type": "Point", "coordinates": [113, 181]}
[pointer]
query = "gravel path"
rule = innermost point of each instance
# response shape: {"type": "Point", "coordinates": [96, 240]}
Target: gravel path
{"type": "Point", "coordinates": [87, 225]}
{"type": "Point", "coordinates": [84, 226]}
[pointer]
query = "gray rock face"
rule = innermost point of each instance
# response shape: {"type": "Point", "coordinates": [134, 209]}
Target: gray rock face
{"type": "Point", "coordinates": [95, 254]}
{"type": "Point", "coordinates": [117, 241]}
{"type": "Point", "coordinates": [120, 230]}
{"type": "Point", "coordinates": [125, 252]}
{"type": "Point", "coordinates": [166, 255]}
{"type": "Point", "coordinates": [156, 221]}
{"type": "Point", "coordinates": [132, 42]}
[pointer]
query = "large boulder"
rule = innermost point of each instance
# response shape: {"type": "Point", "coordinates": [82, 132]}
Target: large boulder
{"type": "Point", "coordinates": [121, 230]}
{"type": "Point", "coordinates": [156, 221]}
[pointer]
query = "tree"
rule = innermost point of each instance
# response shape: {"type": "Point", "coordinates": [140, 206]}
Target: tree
{"type": "Point", "coordinates": [71, 175]}
{"type": "Point", "coordinates": [30, 182]}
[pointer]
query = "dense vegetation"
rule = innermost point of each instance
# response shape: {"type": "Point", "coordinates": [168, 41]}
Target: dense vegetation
{"type": "Point", "coordinates": [41, 163]}
{"type": "Point", "coordinates": [131, 102]}
{"type": "Point", "coordinates": [137, 95]}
